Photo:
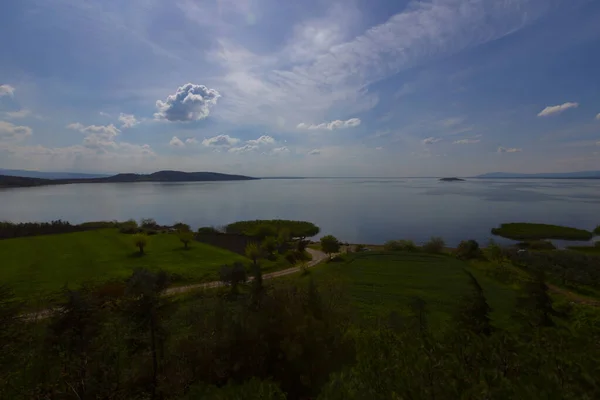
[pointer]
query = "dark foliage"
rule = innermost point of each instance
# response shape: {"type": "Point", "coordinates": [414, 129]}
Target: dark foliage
{"type": "Point", "coordinates": [537, 245]}
{"type": "Point", "coordinates": [435, 245]}
{"type": "Point", "coordinates": [468, 250]}
{"type": "Point", "coordinates": [12, 230]}
{"type": "Point", "coordinates": [264, 228]}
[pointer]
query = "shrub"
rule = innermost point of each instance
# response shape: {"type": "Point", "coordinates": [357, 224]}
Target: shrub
{"type": "Point", "coordinates": [359, 247]}
{"type": "Point", "coordinates": [468, 250]}
{"type": "Point", "coordinates": [330, 245]}
{"type": "Point", "coordinates": [140, 241]}
{"type": "Point", "coordinates": [181, 227]}
{"type": "Point", "coordinates": [148, 223]}
{"type": "Point", "coordinates": [537, 245]}
{"type": "Point", "coordinates": [186, 238]}
{"type": "Point", "coordinates": [290, 257]}
{"type": "Point", "coordinates": [400, 245]}
{"type": "Point", "coordinates": [494, 251]}
{"type": "Point", "coordinates": [208, 230]}
{"type": "Point", "coordinates": [434, 245]}
{"type": "Point", "coordinates": [597, 230]}
{"type": "Point", "coordinates": [129, 227]}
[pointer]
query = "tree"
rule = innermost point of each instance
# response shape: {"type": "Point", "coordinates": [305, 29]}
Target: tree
{"type": "Point", "coordinates": [186, 238]}
{"type": "Point", "coordinates": [233, 275]}
{"type": "Point", "coordinates": [535, 306]}
{"type": "Point", "coordinates": [269, 245]}
{"type": "Point", "coordinates": [253, 252]}
{"type": "Point", "coordinates": [148, 223]}
{"type": "Point", "coordinates": [330, 245]}
{"type": "Point", "coordinates": [474, 314]}
{"type": "Point", "coordinates": [142, 308]}
{"type": "Point", "coordinates": [181, 227]}
{"type": "Point", "coordinates": [468, 249]}
{"type": "Point", "coordinates": [140, 241]}
{"type": "Point", "coordinates": [435, 245]}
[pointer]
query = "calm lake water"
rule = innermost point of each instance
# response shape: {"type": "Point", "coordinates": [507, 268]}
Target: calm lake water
{"type": "Point", "coordinates": [359, 210]}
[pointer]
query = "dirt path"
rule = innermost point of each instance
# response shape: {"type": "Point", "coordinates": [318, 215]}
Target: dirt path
{"type": "Point", "coordinates": [317, 257]}
{"type": "Point", "coordinates": [574, 297]}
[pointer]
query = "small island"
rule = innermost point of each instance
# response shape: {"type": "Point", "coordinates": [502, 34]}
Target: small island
{"type": "Point", "coordinates": [451, 180]}
{"type": "Point", "coordinates": [530, 231]}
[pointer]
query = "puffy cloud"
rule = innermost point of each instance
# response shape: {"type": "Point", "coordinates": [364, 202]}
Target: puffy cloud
{"type": "Point", "coordinates": [6, 90]}
{"type": "Point", "coordinates": [176, 142]}
{"type": "Point", "coordinates": [18, 114]}
{"type": "Point", "coordinates": [261, 140]}
{"type": "Point", "coordinates": [106, 130]}
{"type": "Point", "coordinates": [333, 125]}
{"type": "Point", "coordinates": [220, 141]}
{"type": "Point", "coordinates": [10, 131]}
{"type": "Point", "coordinates": [189, 103]}
{"type": "Point", "coordinates": [128, 120]}
{"type": "Point", "coordinates": [314, 152]}
{"type": "Point", "coordinates": [466, 141]}
{"type": "Point", "coordinates": [432, 140]}
{"type": "Point", "coordinates": [509, 150]}
{"type": "Point", "coordinates": [244, 149]}
{"type": "Point", "coordinates": [191, 140]}
{"type": "Point", "coordinates": [551, 110]}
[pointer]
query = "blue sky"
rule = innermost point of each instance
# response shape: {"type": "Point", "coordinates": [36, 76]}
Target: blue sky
{"type": "Point", "coordinates": [312, 88]}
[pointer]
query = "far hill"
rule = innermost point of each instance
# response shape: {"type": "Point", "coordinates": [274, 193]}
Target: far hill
{"type": "Point", "coordinates": [548, 175]}
{"type": "Point", "coordinates": [161, 176]}
{"type": "Point", "coordinates": [49, 175]}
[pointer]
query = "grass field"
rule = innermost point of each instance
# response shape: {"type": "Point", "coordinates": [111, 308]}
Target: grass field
{"type": "Point", "coordinates": [380, 282]}
{"type": "Point", "coordinates": [528, 231]}
{"type": "Point", "coordinates": [40, 265]}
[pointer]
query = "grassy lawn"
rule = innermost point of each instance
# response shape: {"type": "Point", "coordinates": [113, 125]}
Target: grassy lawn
{"type": "Point", "coordinates": [527, 231]}
{"type": "Point", "coordinates": [379, 282]}
{"type": "Point", "coordinates": [40, 265]}
{"type": "Point", "coordinates": [586, 249]}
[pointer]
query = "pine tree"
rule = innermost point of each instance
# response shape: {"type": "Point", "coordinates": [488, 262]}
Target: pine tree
{"type": "Point", "coordinates": [474, 314]}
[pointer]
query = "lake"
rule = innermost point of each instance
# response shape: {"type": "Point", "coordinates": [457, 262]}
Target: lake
{"type": "Point", "coordinates": [358, 210]}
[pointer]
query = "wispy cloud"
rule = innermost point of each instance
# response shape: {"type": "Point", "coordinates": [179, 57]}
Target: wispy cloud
{"type": "Point", "coordinates": [6, 90]}
{"type": "Point", "coordinates": [598, 116]}
{"type": "Point", "coordinates": [220, 141]}
{"type": "Point", "coordinates": [314, 152]}
{"type": "Point", "coordinates": [109, 130]}
{"type": "Point", "coordinates": [466, 141]}
{"type": "Point", "coordinates": [509, 150]}
{"type": "Point", "coordinates": [331, 126]}
{"type": "Point", "coordinates": [18, 114]}
{"type": "Point", "coordinates": [551, 110]}
{"type": "Point", "coordinates": [11, 132]}
{"type": "Point", "coordinates": [432, 140]}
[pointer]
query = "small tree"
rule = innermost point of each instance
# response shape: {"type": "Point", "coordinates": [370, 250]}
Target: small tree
{"type": "Point", "coordinates": [233, 275]}
{"type": "Point", "coordinates": [148, 223]}
{"type": "Point", "coordinates": [468, 250]}
{"type": "Point", "coordinates": [435, 245]}
{"type": "Point", "coordinates": [474, 314]}
{"type": "Point", "coordinates": [140, 241]}
{"type": "Point", "coordinates": [330, 245]}
{"type": "Point", "coordinates": [181, 227]}
{"type": "Point", "coordinates": [186, 238]}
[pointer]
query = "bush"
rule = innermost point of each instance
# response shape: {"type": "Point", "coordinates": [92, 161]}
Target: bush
{"type": "Point", "coordinates": [359, 248]}
{"type": "Point", "coordinates": [148, 223]}
{"type": "Point", "coordinates": [494, 251]}
{"type": "Point", "coordinates": [181, 227]}
{"type": "Point", "coordinates": [597, 230]}
{"type": "Point", "coordinates": [140, 241]}
{"type": "Point", "coordinates": [468, 250]}
{"type": "Point", "coordinates": [208, 230]}
{"type": "Point", "coordinates": [290, 257]}
{"type": "Point", "coordinates": [435, 245]}
{"type": "Point", "coordinates": [400, 245]}
{"type": "Point", "coordinates": [129, 227]}
{"type": "Point", "coordinates": [537, 245]}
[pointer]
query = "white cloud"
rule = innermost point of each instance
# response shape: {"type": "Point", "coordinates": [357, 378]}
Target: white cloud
{"type": "Point", "coordinates": [191, 141]}
{"type": "Point", "coordinates": [18, 114]}
{"type": "Point", "coordinates": [220, 141]}
{"type": "Point", "coordinates": [128, 120]}
{"type": "Point", "coordinates": [314, 152]}
{"type": "Point", "coordinates": [379, 148]}
{"type": "Point", "coordinates": [432, 140]}
{"type": "Point", "coordinates": [509, 150]}
{"type": "Point", "coordinates": [176, 142]}
{"type": "Point", "coordinates": [598, 116]}
{"type": "Point", "coordinates": [103, 114]}
{"type": "Point", "coordinates": [6, 90]}
{"type": "Point", "coordinates": [262, 140]}
{"type": "Point", "coordinates": [333, 125]}
{"type": "Point", "coordinates": [280, 150]}
{"type": "Point", "coordinates": [189, 103]}
{"type": "Point", "coordinates": [450, 122]}
{"type": "Point", "coordinates": [466, 141]}
{"type": "Point", "coordinates": [551, 110]}
{"type": "Point", "coordinates": [11, 132]}
{"type": "Point", "coordinates": [107, 130]}
{"type": "Point", "coordinates": [244, 149]}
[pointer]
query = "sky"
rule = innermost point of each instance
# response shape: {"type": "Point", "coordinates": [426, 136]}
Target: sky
{"type": "Point", "coordinates": [360, 88]}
